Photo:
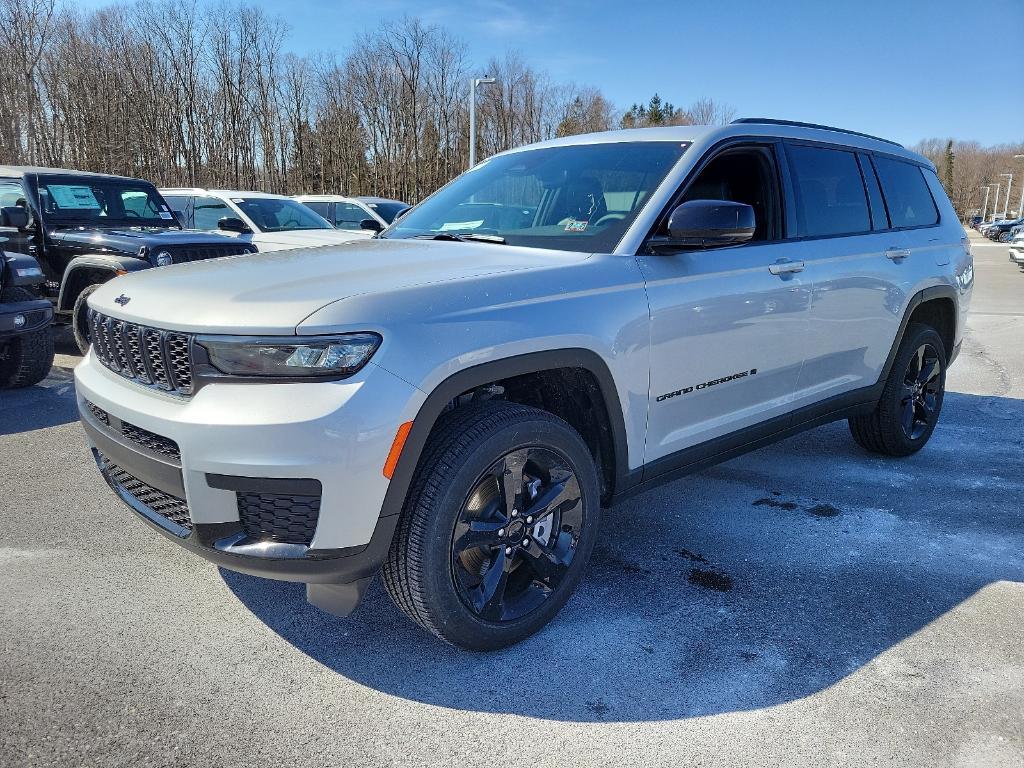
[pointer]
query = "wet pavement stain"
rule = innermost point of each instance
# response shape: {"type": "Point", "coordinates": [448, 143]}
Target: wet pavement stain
{"type": "Point", "coordinates": [766, 502]}
{"type": "Point", "coordinates": [823, 510]}
{"type": "Point", "coordinates": [710, 579]}
{"type": "Point", "coordinates": [693, 557]}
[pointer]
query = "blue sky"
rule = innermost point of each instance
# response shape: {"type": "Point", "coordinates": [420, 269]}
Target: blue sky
{"type": "Point", "coordinates": [906, 70]}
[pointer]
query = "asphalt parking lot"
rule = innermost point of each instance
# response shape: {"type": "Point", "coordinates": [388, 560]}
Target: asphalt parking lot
{"type": "Point", "coordinates": [807, 603]}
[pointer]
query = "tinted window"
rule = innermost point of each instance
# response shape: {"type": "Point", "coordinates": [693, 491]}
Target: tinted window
{"type": "Point", "coordinates": [348, 215]}
{"type": "Point", "coordinates": [906, 193]}
{"type": "Point", "coordinates": [208, 211]}
{"type": "Point", "coordinates": [577, 197]}
{"type": "Point", "coordinates": [322, 208]}
{"type": "Point", "coordinates": [388, 210]}
{"type": "Point", "coordinates": [830, 197]}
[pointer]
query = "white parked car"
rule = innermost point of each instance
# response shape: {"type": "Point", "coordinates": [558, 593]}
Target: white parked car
{"type": "Point", "coordinates": [271, 222]}
{"type": "Point", "coordinates": [355, 213]}
{"type": "Point", "coordinates": [1017, 249]}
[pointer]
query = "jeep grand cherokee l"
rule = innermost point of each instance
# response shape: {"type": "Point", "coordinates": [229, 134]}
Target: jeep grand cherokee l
{"type": "Point", "coordinates": [564, 325]}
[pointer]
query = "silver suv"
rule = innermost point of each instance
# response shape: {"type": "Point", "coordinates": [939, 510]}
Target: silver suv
{"type": "Point", "coordinates": [566, 324]}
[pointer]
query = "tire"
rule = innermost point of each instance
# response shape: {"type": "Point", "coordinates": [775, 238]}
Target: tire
{"type": "Point", "coordinates": [26, 359]}
{"type": "Point", "coordinates": [911, 401]}
{"type": "Point", "coordinates": [79, 320]}
{"type": "Point", "coordinates": [478, 596]}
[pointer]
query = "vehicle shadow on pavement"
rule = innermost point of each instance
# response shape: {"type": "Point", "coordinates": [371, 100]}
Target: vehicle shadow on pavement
{"type": "Point", "coordinates": [47, 404]}
{"type": "Point", "coordinates": [758, 582]}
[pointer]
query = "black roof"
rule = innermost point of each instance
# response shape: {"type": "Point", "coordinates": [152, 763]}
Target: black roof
{"type": "Point", "coordinates": [19, 171]}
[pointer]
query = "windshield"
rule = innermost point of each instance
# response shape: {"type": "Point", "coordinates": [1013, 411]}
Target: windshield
{"type": "Point", "coordinates": [574, 198]}
{"type": "Point", "coordinates": [82, 201]}
{"type": "Point", "coordinates": [386, 210]}
{"type": "Point", "coordinates": [279, 214]}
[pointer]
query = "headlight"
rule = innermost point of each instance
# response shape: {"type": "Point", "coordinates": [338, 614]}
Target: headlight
{"type": "Point", "coordinates": [164, 259]}
{"type": "Point", "coordinates": [314, 356]}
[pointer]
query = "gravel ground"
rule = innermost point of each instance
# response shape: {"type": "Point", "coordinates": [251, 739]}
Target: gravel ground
{"type": "Point", "coordinates": [804, 604]}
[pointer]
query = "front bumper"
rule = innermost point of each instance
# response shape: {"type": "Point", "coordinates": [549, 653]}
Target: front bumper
{"type": "Point", "coordinates": [1017, 254]}
{"type": "Point", "coordinates": [185, 465]}
{"type": "Point", "coordinates": [36, 315]}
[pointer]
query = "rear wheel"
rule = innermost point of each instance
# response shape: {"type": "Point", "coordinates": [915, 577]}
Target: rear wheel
{"type": "Point", "coordinates": [909, 408]}
{"type": "Point", "coordinates": [498, 527]}
{"type": "Point", "coordinates": [26, 359]}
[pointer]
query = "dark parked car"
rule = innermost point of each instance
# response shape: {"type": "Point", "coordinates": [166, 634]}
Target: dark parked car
{"type": "Point", "coordinates": [26, 340]}
{"type": "Point", "coordinates": [86, 228]}
{"type": "Point", "coordinates": [1001, 231]}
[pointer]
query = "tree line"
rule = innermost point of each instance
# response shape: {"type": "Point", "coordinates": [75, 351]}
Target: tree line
{"type": "Point", "coordinates": [205, 93]}
{"type": "Point", "coordinates": [964, 167]}
{"type": "Point", "coordinates": [195, 93]}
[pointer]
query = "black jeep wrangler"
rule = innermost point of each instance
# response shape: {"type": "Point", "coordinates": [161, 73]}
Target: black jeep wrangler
{"type": "Point", "coordinates": [26, 339]}
{"type": "Point", "coordinates": [86, 228]}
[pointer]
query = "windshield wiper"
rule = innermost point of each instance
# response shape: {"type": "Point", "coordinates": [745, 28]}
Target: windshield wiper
{"type": "Point", "coordinates": [464, 237]}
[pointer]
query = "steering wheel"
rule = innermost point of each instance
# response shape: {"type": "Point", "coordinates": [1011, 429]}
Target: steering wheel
{"type": "Point", "coordinates": [608, 218]}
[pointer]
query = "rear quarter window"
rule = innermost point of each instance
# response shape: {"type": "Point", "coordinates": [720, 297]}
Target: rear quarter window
{"type": "Point", "coordinates": [830, 197]}
{"type": "Point", "coordinates": [906, 193]}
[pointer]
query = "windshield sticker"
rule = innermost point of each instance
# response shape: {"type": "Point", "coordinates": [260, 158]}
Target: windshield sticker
{"type": "Point", "coordinates": [453, 225]}
{"type": "Point", "coordinates": [166, 215]}
{"type": "Point", "coordinates": [71, 198]}
{"type": "Point", "coordinates": [576, 226]}
{"type": "Point", "coordinates": [237, 199]}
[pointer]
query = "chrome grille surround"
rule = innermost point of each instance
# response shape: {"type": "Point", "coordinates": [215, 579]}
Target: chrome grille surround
{"type": "Point", "coordinates": [150, 356]}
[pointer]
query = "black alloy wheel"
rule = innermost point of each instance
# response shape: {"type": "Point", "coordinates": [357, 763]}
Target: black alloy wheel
{"type": "Point", "coordinates": [921, 391]}
{"type": "Point", "coordinates": [905, 416]}
{"type": "Point", "coordinates": [498, 525]}
{"type": "Point", "coordinates": [516, 534]}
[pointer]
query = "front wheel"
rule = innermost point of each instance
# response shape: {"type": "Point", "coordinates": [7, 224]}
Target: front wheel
{"type": "Point", "coordinates": [498, 526]}
{"type": "Point", "coordinates": [911, 401]}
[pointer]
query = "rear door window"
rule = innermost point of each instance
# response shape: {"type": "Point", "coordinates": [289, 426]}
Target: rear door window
{"type": "Point", "coordinates": [830, 197]}
{"type": "Point", "coordinates": [906, 193]}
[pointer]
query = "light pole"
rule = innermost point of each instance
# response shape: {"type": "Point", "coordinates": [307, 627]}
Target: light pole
{"type": "Point", "coordinates": [1020, 208]}
{"type": "Point", "coordinates": [984, 207]}
{"type": "Point", "coordinates": [995, 205]}
{"type": "Point", "coordinates": [1009, 183]}
{"type": "Point", "coordinates": [473, 83]}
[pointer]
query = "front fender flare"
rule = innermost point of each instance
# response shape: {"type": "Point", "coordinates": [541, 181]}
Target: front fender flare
{"type": "Point", "coordinates": [106, 262]}
{"type": "Point", "coordinates": [496, 370]}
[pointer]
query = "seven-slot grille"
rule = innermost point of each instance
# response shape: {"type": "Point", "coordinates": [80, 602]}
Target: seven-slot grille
{"type": "Point", "coordinates": [150, 356]}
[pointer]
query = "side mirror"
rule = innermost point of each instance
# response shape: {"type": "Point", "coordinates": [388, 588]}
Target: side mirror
{"type": "Point", "coordinates": [233, 224]}
{"type": "Point", "coordinates": [371, 224]}
{"type": "Point", "coordinates": [14, 216]}
{"type": "Point", "coordinates": [707, 224]}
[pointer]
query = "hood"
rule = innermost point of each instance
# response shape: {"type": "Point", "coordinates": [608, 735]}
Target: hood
{"type": "Point", "coordinates": [306, 238]}
{"type": "Point", "coordinates": [272, 293]}
{"type": "Point", "coordinates": [130, 239]}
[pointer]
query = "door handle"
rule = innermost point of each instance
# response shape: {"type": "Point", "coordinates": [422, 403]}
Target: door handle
{"type": "Point", "coordinates": [897, 254]}
{"type": "Point", "coordinates": [785, 267]}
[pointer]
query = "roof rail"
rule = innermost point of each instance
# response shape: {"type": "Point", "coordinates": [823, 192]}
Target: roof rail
{"type": "Point", "coordinates": [795, 124]}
